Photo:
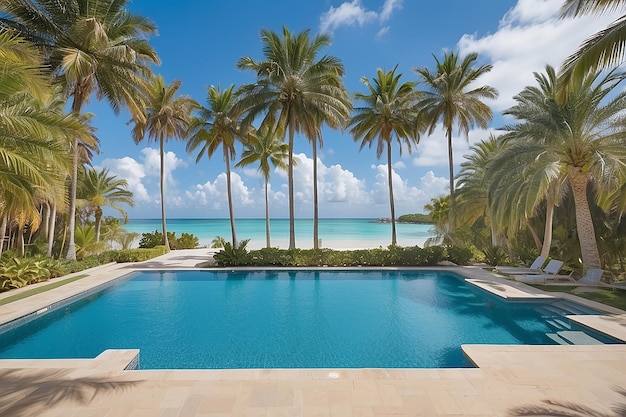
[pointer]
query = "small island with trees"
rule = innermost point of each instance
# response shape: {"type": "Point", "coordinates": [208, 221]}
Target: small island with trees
{"type": "Point", "coordinates": [416, 218]}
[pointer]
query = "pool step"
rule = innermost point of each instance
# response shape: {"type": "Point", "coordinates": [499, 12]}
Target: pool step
{"type": "Point", "coordinates": [573, 338]}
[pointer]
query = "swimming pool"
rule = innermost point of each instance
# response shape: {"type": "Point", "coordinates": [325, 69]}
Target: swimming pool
{"type": "Point", "coordinates": [289, 319]}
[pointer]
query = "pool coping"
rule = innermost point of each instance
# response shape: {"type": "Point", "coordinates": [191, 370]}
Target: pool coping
{"type": "Point", "coordinates": [507, 375]}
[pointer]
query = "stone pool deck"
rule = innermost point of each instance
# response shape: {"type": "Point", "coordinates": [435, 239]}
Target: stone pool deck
{"type": "Point", "coordinates": [506, 377]}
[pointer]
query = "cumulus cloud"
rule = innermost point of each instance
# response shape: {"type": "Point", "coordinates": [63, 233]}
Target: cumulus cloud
{"type": "Point", "coordinates": [143, 175]}
{"type": "Point", "coordinates": [529, 36]}
{"type": "Point", "coordinates": [408, 198]}
{"type": "Point", "coordinates": [353, 13]}
{"type": "Point", "coordinates": [214, 194]}
{"type": "Point", "coordinates": [132, 171]}
{"type": "Point", "coordinates": [432, 151]}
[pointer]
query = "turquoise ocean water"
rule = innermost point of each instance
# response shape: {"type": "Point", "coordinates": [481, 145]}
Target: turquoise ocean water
{"type": "Point", "coordinates": [334, 233]}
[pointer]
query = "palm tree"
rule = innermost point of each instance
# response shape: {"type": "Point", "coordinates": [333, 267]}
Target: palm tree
{"type": "Point", "coordinates": [604, 49]}
{"type": "Point", "coordinates": [265, 148]}
{"type": "Point", "coordinates": [163, 116]}
{"type": "Point", "coordinates": [34, 134]}
{"type": "Point", "coordinates": [98, 189]}
{"type": "Point", "coordinates": [91, 46]}
{"type": "Point", "coordinates": [388, 114]}
{"type": "Point", "coordinates": [218, 125]}
{"type": "Point", "coordinates": [580, 142]}
{"type": "Point", "coordinates": [450, 97]}
{"type": "Point", "coordinates": [295, 92]}
{"type": "Point", "coordinates": [473, 180]}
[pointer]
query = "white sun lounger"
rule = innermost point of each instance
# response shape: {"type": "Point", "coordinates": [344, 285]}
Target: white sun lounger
{"type": "Point", "coordinates": [535, 268]}
{"type": "Point", "coordinates": [551, 272]}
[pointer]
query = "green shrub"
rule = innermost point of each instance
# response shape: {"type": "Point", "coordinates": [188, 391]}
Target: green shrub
{"type": "Point", "coordinates": [391, 256]}
{"type": "Point", "coordinates": [495, 255]}
{"type": "Point", "coordinates": [230, 256]}
{"type": "Point", "coordinates": [460, 255]}
{"type": "Point", "coordinates": [151, 240]}
{"type": "Point", "coordinates": [187, 241]}
{"type": "Point", "coordinates": [18, 272]}
{"type": "Point", "coordinates": [137, 255]}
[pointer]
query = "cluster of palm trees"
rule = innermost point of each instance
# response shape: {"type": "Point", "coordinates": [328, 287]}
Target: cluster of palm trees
{"type": "Point", "coordinates": [75, 49]}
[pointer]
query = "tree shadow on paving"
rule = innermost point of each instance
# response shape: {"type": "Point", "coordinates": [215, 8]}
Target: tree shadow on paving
{"type": "Point", "coordinates": [568, 409]}
{"type": "Point", "coordinates": [28, 392]}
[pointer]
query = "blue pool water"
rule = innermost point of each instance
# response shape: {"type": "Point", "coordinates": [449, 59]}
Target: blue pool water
{"type": "Point", "coordinates": [284, 319]}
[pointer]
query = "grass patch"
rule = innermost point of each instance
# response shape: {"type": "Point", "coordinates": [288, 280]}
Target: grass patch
{"type": "Point", "coordinates": [39, 290]}
{"type": "Point", "coordinates": [614, 298]}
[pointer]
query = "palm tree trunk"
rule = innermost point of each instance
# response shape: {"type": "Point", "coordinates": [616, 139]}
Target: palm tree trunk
{"type": "Point", "coordinates": [230, 198]}
{"type": "Point", "coordinates": [162, 187]}
{"type": "Point", "coordinates": [391, 203]}
{"type": "Point", "coordinates": [45, 217]}
{"type": "Point", "coordinates": [3, 231]}
{"type": "Point", "coordinates": [53, 220]}
{"type": "Point", "coordinates": [267, 216]}
{"type": "Point", "coordinates": [71, 247]}
{"type": "Point", "coordinates": [584, 223]}
{"type": "Point", "coordinates": [315, 207]}
{"type": "Point", "coordinates": [20, 241]}
{"type": "Point", "coordinates": [451, 167]}
{"type": "Point", "coordinates": [292, 223]}
{"type": "Point", "coordinates": [547, 232]}
{"type": "Point", "coordinates": [77, 104]}
{"type": "Point", "coordinates": [98, 218]}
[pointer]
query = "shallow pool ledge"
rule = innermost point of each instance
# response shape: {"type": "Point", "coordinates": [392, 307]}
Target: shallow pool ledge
{"type": "Point", "coordinates": [111, 360]}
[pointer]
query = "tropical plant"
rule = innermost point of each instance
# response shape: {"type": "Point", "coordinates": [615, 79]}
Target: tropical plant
{"type": "Point", "coordinates": [388, 115]}
{"type": "Point", "coordinates": [451, 98]}
{"type": "Point", "coordinates": [233, 256]}
{"type": "Point", "coordinates": [162, 117]}
{"type": "Point", "coordinates": [265, 148]}
{"type": "Point", "coordinates": [218, 242]}
{"type": "Point", "coordinates": [86, 243]}
{"type": "Point", "coordinates": [35, 134]}
{"type": "Point", "coordinates": [580, 142]}
{"type": "Point", "coordinates": [98, 189]}
{"type": "Point", "coordinates": [90, 46]}
{"type": "Point", "coordinates": [214, 126]}
{"type": "Point", "coordinates": [295, 92]}
{"type": "Point", "coordinates": [602, 50]}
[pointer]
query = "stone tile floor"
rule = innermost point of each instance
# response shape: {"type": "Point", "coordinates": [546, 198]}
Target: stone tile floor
{"type": "Point", "coordinates": [506, 377]}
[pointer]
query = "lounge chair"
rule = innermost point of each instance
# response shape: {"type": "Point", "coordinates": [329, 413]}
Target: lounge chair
{"type": "Point", "coordinates": [550, 273]}
{"type": "Point", "coordinates": [591, 278]}
{"type": "Point", "coordinates": [535, 268]}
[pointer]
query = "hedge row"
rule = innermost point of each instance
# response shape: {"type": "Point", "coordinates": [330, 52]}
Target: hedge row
{"type": "Point", "coordinates": [391, 256]}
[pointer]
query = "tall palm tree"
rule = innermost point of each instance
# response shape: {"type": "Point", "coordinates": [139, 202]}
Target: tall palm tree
{"type": "Point", "coordinates": [602, 50]}
{"type": "Point", "coordinates": [218, 125]}
{"type": "Point", "coordinates": [265, 148]}
{"type": "Point", "coordinates": [91, 46]}
{"type": "Point", "coordinates": [580, 142]}
{"type": "Point", "coordinates": [35, 133]}
{"type": "Point", "coordinates": [295, 92]}
{"type": "Point", "coordinates": [98, 189]}
{"type": "Point", "coordinates": [451, 98]}
{"type": "Point", "coordinates": [388, 114]}
{"type": "Point", "coordinates": [473, 180]}
{"type": "Point", "coordinates": [163, 116]}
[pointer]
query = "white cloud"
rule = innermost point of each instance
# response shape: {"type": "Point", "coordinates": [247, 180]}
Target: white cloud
{"type": "Point", "coordinates": [354, 13]}
{"type": "Point", "coordinates": [529, 36]}
{"type": "Point", "coordinates": [214, 194]}
{"type": "Point", "coordinates": [143, 176]}
{"type": "Point", "coordinates": [408, 198]}
{"type": "Point", "coordinates": [132, 171]}
{"type": "Point", "coordinates": [152, 164]}
{"type": "Point", "coordinates": [432, 151]}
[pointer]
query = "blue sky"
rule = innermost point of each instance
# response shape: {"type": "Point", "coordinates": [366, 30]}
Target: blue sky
{"type": "Point", "coordinates": [199, 43]}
